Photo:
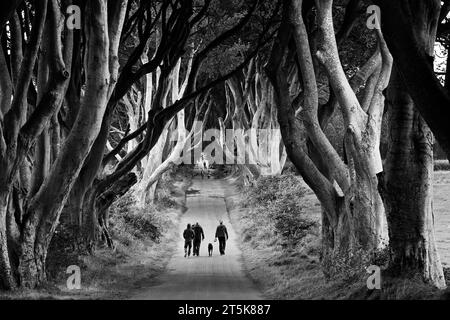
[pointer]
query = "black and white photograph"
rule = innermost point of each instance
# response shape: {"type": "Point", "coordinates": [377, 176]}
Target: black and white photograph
{"type": "Point", "coordinates": [224, 158]}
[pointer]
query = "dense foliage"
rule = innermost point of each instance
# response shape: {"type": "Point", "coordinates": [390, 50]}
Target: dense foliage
{"type": "Point", "coordinates": [276, 203]}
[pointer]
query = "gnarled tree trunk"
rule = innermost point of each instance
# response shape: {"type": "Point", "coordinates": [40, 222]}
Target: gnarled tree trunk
{"type": "Point", "coordinates": [408, 190]}
{"type": "Point", "coordinates": [44, 210]}
{"type": "Point", "coordinates": [353, 210]}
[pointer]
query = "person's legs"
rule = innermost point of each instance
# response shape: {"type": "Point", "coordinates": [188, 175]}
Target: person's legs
{"type": "Point", "coordinates": [222, 245]}
{"type": "Point", "coordinates": [186, 244]}
{"type": "Point", "coordinates": [189, 248]}
{"type": "Point", "coordinates": [196, 247]}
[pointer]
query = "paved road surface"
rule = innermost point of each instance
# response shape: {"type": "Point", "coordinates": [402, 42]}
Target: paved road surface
{"type": "Point", "coordinates": [207, 278]}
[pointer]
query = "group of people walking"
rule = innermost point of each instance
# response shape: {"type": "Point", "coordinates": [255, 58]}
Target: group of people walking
{"type": "Point", "coordinates": [193, 236]}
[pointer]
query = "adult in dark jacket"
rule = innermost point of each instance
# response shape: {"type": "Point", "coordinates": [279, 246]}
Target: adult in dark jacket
{"type": "Point", "coordinates": [222, 235]}
{"type": "Point", "coordinates": [198, 237]}
{"type": "Point", "coordinates": [188, 236]}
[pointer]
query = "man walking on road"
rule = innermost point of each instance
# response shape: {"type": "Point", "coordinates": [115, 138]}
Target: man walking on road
{"type": "Point", "coordinates": [188, 236]}
{"type": "Point", "coordinates": [222, 235]}
{"type": "Point", "coordinates": [198, 237]}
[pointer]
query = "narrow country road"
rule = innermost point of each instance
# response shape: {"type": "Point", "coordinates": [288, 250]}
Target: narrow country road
{"type": "Point", "coordinates": [205, 278]}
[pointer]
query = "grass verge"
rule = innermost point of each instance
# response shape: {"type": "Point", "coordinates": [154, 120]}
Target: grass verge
{"type": "Point", "coordinates": [286, 264]}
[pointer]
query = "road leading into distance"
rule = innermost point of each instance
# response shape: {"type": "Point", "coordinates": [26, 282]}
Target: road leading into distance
{"type": "Point", "coordinates": [205, 278]}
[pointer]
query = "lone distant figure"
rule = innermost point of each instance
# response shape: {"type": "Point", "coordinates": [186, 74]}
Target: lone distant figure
{"type": "Point", "coordinates": [188, 236]}
{"type": "Point", "coordinates": [203, 164]}
{"type": "Point", "coordinates": [198, 237]}
{"type": "Point", "coordinates": [222, 235]}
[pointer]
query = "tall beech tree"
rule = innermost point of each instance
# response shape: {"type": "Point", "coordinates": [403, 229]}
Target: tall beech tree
{"type": "Point", "coordinates": [179, 134]}
{"type": "Point", "coordinates": [359, 193]}
{"type": "Point", "coordinates": [407, 189]}
{"type": "Point", "coordinates": [403, 23]}
{"type": "Point", "coordinates": [354, 214]}
{"type": "Point", "coordinates": [24, 263]}
{"type": "Point", "coordinates": [408, 180]}
{"type": "Point", "coordinates": [251, 115]}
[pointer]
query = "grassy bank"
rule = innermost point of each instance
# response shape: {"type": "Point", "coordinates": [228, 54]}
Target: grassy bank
{"type": "Point", "coordinates": [283, 258]}
{"type": "Point", "coordinates": [144, 242]}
